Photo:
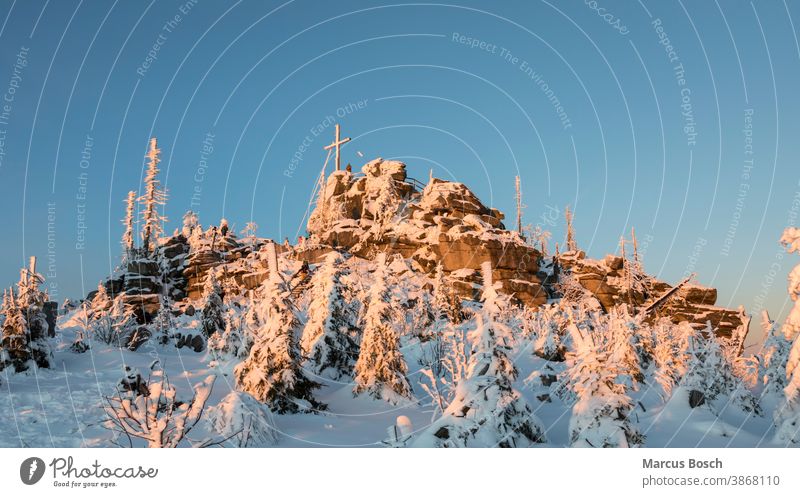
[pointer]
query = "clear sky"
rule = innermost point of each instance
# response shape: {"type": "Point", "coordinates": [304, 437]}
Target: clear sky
{"type": "Point", "coordinates": [676, 118]}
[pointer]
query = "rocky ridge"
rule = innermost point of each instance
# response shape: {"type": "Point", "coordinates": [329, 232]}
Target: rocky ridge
{"type": "Point", "coordinates": [383, 210]}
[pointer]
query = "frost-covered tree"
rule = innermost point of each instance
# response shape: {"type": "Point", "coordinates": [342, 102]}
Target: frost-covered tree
{"type": "Point", "coordinates": [420, 315]}
{"type": "Point", "coordinates": [601, 413]}
{"type": "Point", "coordinates": [787, 416]}
{"type": "Point", "coordinates": [381, 369]}
{"type": "Point", "coordinates": [628, 348]}
{"type": "Point", "coordinates": [164, 323]}
{"type": "Point", "coordinates": [545, 327]}
{"type": "Point", "coordinates": [445, 305]}
{"type": "Point", "coordinates": [249, 234]}
{"type": "Point", "coordinates": [669, 355]}
{"type": "Point", "coordinates": [211, 318]}
{"type": "Point", "coordinates": [231, 341]}
{"type": "Point", "coordinates": [81, 342]}
{"type": "Point", "coordinates": [327, 340]}
{"type": "Point", "coordinates": [486, 411]}
{"type": "Point", "coordinates": [773, 357]}
{"type": "Point", "coordinates": [571, 244]}
{"type": "Point", "coordinates": [113, 327]}
{"type": "Point", "coordinates": [14, 351]}
{"type": "Point", "coordinates": [155, 414]}
{"type": "Point", "coordinates": [154, 197]}
{"type": "Point", "coordinates": [637, 281]}
{"type": "Point", "coordinates": [710, 375]}
{"type": "Point", "coordinates": [538, 237]}
{"type": "Point", "coordinates": [191, 223]}
{"type": "Point", "coordinates": [24, 344]}
{"type": "Point", "coordinates": [273, 371]}
{"type": "Point", "coordinates": [791, 240]}
{"type": "Point", "coordinates": [101, 302]}
{"type": "Point", "coordinates": [445, 361]}
{"type": "Point", "coordinates": [127, 236]}
{"type": "Point", "coordinates": [446, 349]}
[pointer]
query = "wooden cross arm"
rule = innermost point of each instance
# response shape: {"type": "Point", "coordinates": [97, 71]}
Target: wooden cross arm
{"type": "Point", "coordinates": [328, 147]}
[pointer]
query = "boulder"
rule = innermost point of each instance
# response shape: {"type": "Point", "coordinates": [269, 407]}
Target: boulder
{"type": "Point", "coordinates": [144, 305]}
{"type": "Point", "coordinates": [380, 167]}
{"type": "Point", "coordinates": [697, 294]}
{"type": "Point", "coordinates": [454, 199]}
{"type": "Point", "coordinates": [144, 268]}
{"type": "Point", "coordinates": [194, 342]}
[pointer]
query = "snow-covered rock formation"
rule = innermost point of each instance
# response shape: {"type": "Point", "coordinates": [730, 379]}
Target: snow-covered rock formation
{"type": "Point", "coordinates": [443, 222]}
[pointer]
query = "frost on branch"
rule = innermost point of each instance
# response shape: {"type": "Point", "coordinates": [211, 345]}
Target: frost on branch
{"type": "Point", "coordinates": [153, 413]}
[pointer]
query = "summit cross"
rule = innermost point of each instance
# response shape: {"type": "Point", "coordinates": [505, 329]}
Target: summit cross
{"type": "Point", "coordinates": [336, 143]}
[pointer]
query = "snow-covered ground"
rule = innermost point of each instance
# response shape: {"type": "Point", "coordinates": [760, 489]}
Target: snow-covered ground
{"type": "Point", "coordinates": [63, 406]}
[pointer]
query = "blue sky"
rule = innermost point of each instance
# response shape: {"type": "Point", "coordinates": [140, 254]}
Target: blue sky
{"type": "Point", "coordinates": [694, 146]}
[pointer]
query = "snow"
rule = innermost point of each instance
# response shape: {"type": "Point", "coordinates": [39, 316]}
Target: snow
{"type": "Point", "coordinates": [63, 406]}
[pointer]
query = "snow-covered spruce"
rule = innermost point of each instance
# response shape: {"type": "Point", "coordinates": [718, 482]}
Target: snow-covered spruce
{"type": "Point", "coordinates": [153, 198]}
{"type": "Point", "coordinates": [128, 236]}
{"type": "Point", "coordinates": [709, 375]}
{"type": "Point", "coordinates": [211, 319]}
{"type": "Point", "coordinates": [601, 413]}
{"type": "Point", "coordinates": [327, 338]}
{"type": "Point", "coordinates": [486, 411]}
{"type": "Point", "coordinates": [669, 353]}
{"type": "Point", "coordinates": [446, 363]}
{"type": "Point", "coordinates": [23, 343]}
{"type": "Point", "coordinates": [630, 349]}
{"type": "Point", "coordinates": [773, 358]}
{"type": "Point", "coordinates": [101, 302]}
{"type": "Point", "coordinates": [163, 324]}
{"type": "Point", "coordinates": [787, 416]}
{"type": "Point", "coordinates": [791, 240]}
{"type": "Point", "coordinates": [381, 369]}
{"type": "Point", "coordinates": [231, 342]}
{"type": "Point", "coordinates": [273, 371]}
{"type": "Point", "coordinates": [446, 305]}
{"type": "Point", "coordinates": [544, 327]}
